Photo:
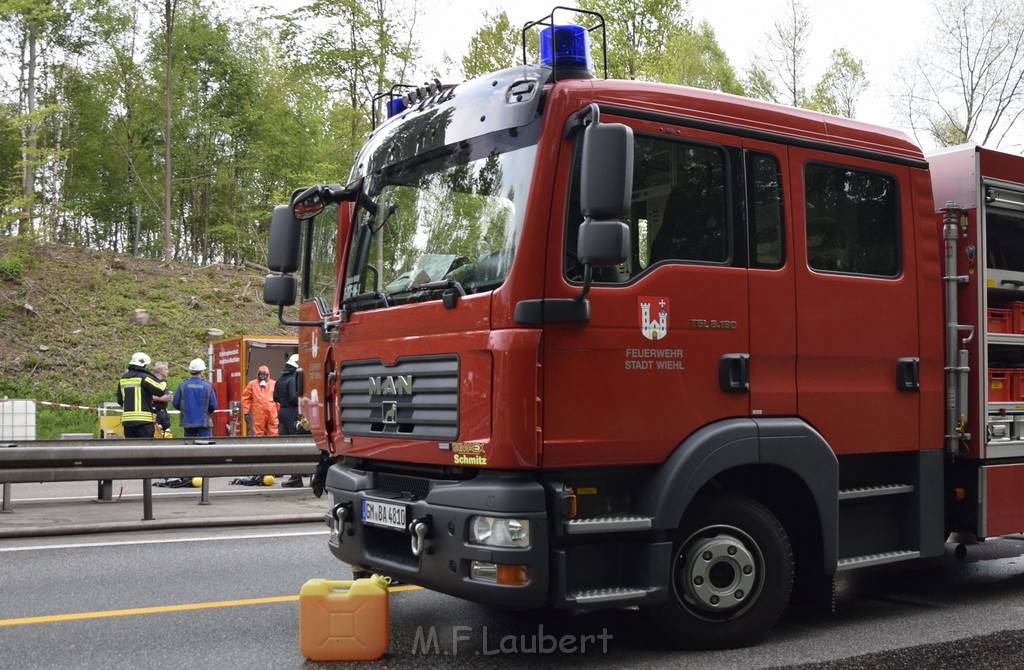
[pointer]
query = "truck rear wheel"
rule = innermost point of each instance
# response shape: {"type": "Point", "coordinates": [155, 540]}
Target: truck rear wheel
{"type": "Point", "coordinates": [731, 574]}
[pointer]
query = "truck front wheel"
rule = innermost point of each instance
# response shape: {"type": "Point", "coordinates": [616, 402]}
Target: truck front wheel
{"type": "Point", "coordinates": [731, 574]}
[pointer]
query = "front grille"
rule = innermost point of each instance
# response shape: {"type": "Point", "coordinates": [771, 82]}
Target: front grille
{"type": "Point", "coordinates": [417, 487]}
{"type": "Point", "coordinates": [416, 398]}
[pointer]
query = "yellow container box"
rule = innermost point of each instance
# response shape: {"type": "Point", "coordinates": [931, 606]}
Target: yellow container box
{"type": "Point", "coordinates": [344, 621]}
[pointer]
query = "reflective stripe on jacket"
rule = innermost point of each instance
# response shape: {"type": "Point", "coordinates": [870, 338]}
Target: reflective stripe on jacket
{"type": "Point", "coordinates": [135, 392]}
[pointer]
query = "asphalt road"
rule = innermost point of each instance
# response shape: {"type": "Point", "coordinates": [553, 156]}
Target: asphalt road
{"type": "Point", "coordinates": [227, 597]}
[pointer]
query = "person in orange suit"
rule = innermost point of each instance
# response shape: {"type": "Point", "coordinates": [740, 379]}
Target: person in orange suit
{"type": "Point", "coordinates": [260, 412]}
{"type": "Point", "coordinates": [258, 406]}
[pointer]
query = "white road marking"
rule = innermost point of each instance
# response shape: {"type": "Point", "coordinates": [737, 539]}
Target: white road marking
{"type": "Point", "coordinates": [220, 538]}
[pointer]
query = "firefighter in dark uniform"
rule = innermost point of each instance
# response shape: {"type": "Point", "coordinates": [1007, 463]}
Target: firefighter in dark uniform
{"type": "Point", "coordinates": [137, 390]}
{"type": "Point", "coordinates": [286, 396]}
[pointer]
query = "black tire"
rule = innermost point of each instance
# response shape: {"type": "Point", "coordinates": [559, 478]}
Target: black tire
{"type": "Point", "coordinates": [730, 577]}
{"type": "Point", "coordinates": [359, 573]}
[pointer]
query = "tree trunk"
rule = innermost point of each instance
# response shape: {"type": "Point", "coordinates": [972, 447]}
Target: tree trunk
{"type": "Point", "coordinates": [30, 145]}
{"type": "Point", "coordinates": [168, 240]}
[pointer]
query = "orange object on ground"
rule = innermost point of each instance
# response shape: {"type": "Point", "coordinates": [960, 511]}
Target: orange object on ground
{"type": "Point", "coordinates": [344, 621]}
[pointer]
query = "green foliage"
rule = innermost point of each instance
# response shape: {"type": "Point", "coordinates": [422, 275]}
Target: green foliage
{"type": "Point", "coordinates": [694, 58]}
{"type": "Point", "coordinates": [10, 158]}
{"type": "Point", "coordinates": [637, 32]}
{"type": "Point", "coordinates": [52, 422]}
{"type": "Point", "coordinates": [841, 86]}
{"type": "Point", "coordinates": [15, 258]}
{"type": "Point", "coordinates": [11, 266]}
{"type": "Point", "coordinates": [495, 46]}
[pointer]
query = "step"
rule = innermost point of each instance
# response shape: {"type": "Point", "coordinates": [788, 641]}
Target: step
{"type": "Point", "coordinates": [608, 595]}
{"type": "Point", "coordinates": [608, 524]}
{"type": "Point", "coordinates": [875, 491]}
{"type": "Point", "coordinates": [855, 562]}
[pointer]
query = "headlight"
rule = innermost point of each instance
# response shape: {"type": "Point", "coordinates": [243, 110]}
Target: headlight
{"type": "Point", "coordinates": [499, 532]}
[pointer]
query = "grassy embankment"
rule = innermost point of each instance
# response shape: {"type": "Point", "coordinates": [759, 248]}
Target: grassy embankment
{"type": "Point", "coordinates": [67, 330]}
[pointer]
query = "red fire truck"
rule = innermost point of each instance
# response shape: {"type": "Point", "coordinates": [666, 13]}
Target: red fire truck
{"type": "Point", "coordinates": [576, 342]}
{"type": "Point", "coordinates": [234, 362]}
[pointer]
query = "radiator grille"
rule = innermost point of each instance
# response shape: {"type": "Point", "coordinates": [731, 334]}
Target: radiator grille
{"type": "Point", "coordinates": [417, 487]}
{"type": "Point", "coordinates": [417, 398]}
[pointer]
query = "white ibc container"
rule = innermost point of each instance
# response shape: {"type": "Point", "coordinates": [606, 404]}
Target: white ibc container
{"type": "Point", "coordinates": [17, 419]}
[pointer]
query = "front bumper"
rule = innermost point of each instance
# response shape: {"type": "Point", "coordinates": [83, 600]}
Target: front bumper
{"type": "Point", "coordinates": [440, 555]}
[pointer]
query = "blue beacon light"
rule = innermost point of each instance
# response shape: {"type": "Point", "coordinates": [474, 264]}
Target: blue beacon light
{"type": "Point", "coordinates": [570, 47]}
{"type": "Point", "coordinates": [395, 106]}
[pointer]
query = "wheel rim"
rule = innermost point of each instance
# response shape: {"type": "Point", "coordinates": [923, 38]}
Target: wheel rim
{"type": "Point", "coordinates": [718, 573]}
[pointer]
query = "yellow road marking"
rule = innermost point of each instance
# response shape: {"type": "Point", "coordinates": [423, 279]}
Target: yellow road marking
{"type": "Point", "coordinates": [53, 618]}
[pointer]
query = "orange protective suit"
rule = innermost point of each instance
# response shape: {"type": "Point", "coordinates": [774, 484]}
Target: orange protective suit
{"type": "Point", "coordinates": [258, 402]}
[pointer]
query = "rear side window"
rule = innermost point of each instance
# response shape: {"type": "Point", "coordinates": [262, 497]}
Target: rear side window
{"type": "Point", "coordinates": [853, 224]}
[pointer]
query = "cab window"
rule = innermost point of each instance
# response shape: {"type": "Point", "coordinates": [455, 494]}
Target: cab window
{"type": "Point", "coordinates": [679, 210]}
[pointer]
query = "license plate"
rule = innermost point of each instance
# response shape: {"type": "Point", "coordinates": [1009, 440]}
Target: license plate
{"type": "Point", "coordinates": [383, 514]}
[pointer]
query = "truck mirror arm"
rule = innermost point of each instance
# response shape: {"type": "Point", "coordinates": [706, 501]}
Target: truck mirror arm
{"type": "Point", "coordinates": [326, 323]}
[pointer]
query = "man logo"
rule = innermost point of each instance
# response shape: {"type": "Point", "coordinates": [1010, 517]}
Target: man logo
{"type": "Point", "coordinates": [389, 412]}
{"type": "Point", "coordinates": [397, 385]}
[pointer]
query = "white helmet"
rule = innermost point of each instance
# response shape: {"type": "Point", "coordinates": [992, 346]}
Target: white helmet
{"type": "Point", "coordinates": [139, 359]}
{"type": "Point", "coordinates": [293, 360]}
{"type": "Point", "coordinates": [197, 365]}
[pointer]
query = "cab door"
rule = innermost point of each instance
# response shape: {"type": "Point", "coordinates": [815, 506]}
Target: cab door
{"type": "Point", "coordinates": [666, 346]}
{"type": "Point", "coordinates": [856, 302]}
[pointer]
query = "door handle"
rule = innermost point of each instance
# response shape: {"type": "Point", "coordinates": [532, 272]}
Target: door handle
{"type": "Point", "coordinates": [908, 375]}
{"type": "Point", "coordinates": [734, 373]}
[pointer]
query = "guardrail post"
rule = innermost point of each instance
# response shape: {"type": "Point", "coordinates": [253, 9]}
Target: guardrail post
{"type": "Point", "coordinates": [105, 490]}
{"type": "Point", "coordinates": [147, 499]}
{"type": "Point", "coordinates": [204, 495]}
{"type": "Point", "coordinates": [7, 499]}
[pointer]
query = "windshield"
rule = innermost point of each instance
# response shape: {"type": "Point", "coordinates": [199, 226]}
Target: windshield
{"type": "Point", "coordinates": [446, 220]}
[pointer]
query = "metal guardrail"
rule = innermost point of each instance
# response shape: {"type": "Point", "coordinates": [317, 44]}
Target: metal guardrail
{"type": "Point", "coordinates": [147, 459]}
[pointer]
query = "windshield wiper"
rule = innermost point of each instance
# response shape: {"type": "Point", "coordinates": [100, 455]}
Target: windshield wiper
{"type": "Point", "coordinates": [346, 304]}
{"type": "Point", "coordinates": [452, 290]}
{"type": "Point", "coordinates": [442, 284]}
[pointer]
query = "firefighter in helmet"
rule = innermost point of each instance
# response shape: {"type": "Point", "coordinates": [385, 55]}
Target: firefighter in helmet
{"type": "Point", "coordinates": [286, 395]}
{"type": "Point", "coordinates": [197, 401]}
{"type": "Point", "coordinates": [137, 390]}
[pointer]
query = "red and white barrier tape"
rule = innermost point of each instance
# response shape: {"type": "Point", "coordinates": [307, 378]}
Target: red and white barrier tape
{"type": "Point", "coordinates": [70, 406]}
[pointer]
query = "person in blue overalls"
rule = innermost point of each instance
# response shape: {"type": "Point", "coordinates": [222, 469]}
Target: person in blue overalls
{"type": "Point", "coordinates": [196, 400]}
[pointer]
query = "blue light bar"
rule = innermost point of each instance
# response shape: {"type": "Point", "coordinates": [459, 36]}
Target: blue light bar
{"type": "Point", "coordinates": [395, 107]}
{"type": "Point", "coordinates": [571, 47]}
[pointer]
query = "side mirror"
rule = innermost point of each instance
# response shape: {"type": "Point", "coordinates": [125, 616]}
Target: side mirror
{"type": "Point", "coordinates": [602, 243]}
{"type": "Point", "coordinates": [308, 203]}
{"type": "Point", "coordinates": [280, 290]}
{"type": "Point", "coordinates": [606, 180]}
{"type": "Point", "coordinates": [285, 237]}
{"type": "Point", "coordinates": [606, 187]}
